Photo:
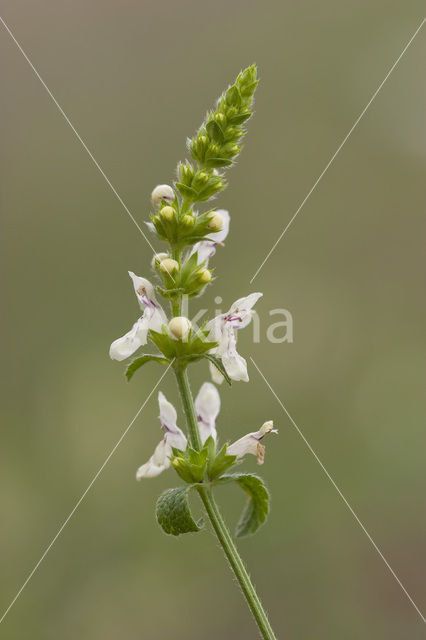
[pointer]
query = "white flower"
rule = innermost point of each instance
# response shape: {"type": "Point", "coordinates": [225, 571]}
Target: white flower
{"type": "Point", "coordinates": [207, 406]}
{"type": "Point", "coordinates": [162, 192]}
{"type": "Point", "coordinates": [207, 248]}
{"type": "Point", "coordinates": [222, 330]}
{"type": "Point", "coordinates": [160, 459]}
{"type": "Point", "coordinates": [250, 443]}
{"type": "Point", "coordinates": [153, 317]}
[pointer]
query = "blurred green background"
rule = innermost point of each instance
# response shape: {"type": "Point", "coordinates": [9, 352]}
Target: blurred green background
{"type": "Point", "coordinates": [135, 79]}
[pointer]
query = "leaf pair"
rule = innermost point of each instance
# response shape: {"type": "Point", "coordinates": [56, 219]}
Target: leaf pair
{"type": "Point", "coordinates": [174, 515]}
{"type": "Point", "coordinates": [195, 348]}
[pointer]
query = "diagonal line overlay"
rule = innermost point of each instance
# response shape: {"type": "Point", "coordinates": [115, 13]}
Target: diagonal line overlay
{"type": "Point", "coordinates": [79, 138]}
{"type": "Point", "coordinates": [83, 495]}
{"type": "Point", "coordinates": [339, 492]}
{"type": "Point", "coordinates": [339, 148]}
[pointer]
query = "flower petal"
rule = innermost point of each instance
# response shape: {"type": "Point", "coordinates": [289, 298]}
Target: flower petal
{"type": "Point", "coordinates": [174, 438]}
{"type": "Point", "coordinates": [158, 462]}
{"type": "Point", "coordinates": [144, 290]}
{"type": "Point", "coordinates": [216, 375]}
{"type": "Point", "coordinates": [220, 236]}
{"type": "Point", "coordinates": [125, 346]}
{"type": "Point", "coordinates": [242, 309]}
{"type": "Point", "coordinates": [168, 415]}
{"type": "Point", "coordinates": [153, 318]}
{"type": "Point", "coordinates": [207, 248]}
{"type": "Point", "coordinates": [207, 406]}
{"type": "Point", "coordinates": [235, 366]}
{"type": "Point", "coordinates": [250, 443]}
{"type": "Point", "coordinates": [204, 249]}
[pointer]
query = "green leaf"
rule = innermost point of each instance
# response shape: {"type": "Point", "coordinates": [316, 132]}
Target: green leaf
{"type": "Point", "coordinates": [173, 513]}
{"type": "Point", "coordinates": [185, 191]}
{"type": "Point", "coordinates": [257, 507]}
{"type": "Point", "coordinates": [190, 464]}
{"type": "Point", "coordinates": [220, 462]}
{"type": "Point", "coordinates": [137, 363]}
{"type": "Point", "coordinates": [164, 342]}
{"type": "Point", "coordinates": [219, 366]}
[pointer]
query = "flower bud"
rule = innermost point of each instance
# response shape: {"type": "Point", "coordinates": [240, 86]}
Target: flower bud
{"type": "Point", "coordinates": [157, 258]}
{"type": "Point", "coordinates": [215, 222]}
{"type": "Point", "coordinates": [162, 192]}
{"type": "Point", "coordinates": [167, 213]}
{"type": "Point", "coordinates": [179, 327]}
{"type": "Point", "coordinates": [187, 220]}
{"type": "Point", "coordinates": [169, 266]}
{"type": "Point", "coordinates": [205, 276]}
{"type": "Point", "coordinates": [202, 177]}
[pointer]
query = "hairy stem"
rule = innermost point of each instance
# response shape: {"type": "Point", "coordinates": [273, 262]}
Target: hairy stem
{"type": "Point", "coordinates": [188, 406]}
{"type": "Point", "coordinates": [216, 518]}
{"type": "Point", "coordinates": [236, 562]}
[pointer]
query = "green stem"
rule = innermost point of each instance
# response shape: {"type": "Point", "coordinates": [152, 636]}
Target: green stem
{"type": "Point", "coordinates": [216, 518]}
{"type": "Point", "coordinates": [188, 406]}
{"type": "Point", "coordinates": [236, 563]}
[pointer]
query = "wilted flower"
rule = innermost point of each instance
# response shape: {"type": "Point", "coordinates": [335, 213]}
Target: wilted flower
{"type": "Point", "coordinates": [153, 317]}
{"type": "Point", "coordinates": [222, 330]}
{"type": "Point", "coordinates": [250, 443]}
{"type": "Point", "coordinates": [160, 459]}
{"type": "Point", "coordinates": [207, 248]}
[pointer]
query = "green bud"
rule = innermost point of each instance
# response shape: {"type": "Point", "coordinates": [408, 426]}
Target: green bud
{"type": "Point", "coordinates": [215, 222]}
{"type": "Point", "coordinates": [188, 221]}
{"type": "Point", "coordinates": [169, 266]}
{"type": "Point", "coordinates": [167, 213]}
{"type": "Point", "coordinates": [204, 276]}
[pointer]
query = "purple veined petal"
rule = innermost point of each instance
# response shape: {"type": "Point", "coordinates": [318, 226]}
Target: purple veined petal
{"type": "Point", "coordinates": [241, 310]}
{"type": "Point", "coordinates": [144, 290]}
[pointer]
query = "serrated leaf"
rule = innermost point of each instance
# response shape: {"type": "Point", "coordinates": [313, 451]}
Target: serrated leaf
{"type": "Point", "coordinates": [257, 507]}
{"type": "Point", "coordinates": [137, 363]}
{"type": "Point", "coordinates": [173, 513]}
{"type": "Point", "coordinates": [219, 366]}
